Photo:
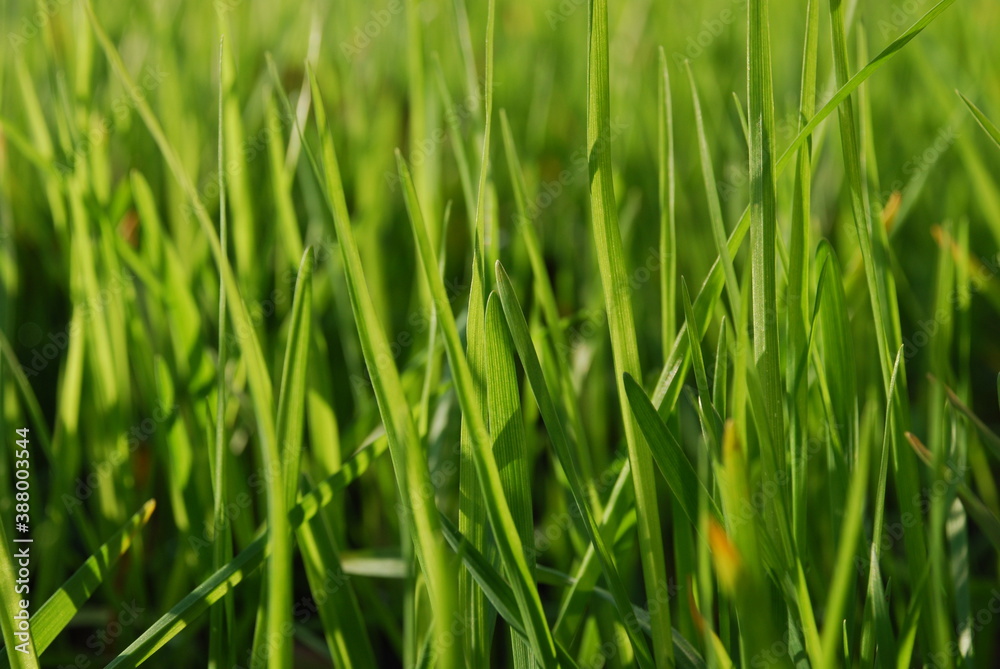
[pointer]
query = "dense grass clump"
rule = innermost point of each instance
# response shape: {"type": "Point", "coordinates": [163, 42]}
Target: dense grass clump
{"type": "Point", "coordinates": [448, 334]}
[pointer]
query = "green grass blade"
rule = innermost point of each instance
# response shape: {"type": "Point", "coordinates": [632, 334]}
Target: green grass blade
{"type": "Point", "coordinates": [58, 610]}
{"type": "Point", "coordinates": [717, 225]}
{"type": "Point", "coordinates": [243, 565]}
{"type": "Point", "coordinates": [409, 466]}
{"type": "Point", "coordinates": [667, 190]}
{"type": "Point", "coordinates": [533, 371]}
{"type": "Point", "coordinates": [763, 224]}
{"type": "Point", "coordinates": [984, 122]}
{"type": "Point", "coordinates": [875, 600]}
{"type": "Point", "coordinates": [497, 509]}
{"type": "Point", "coordinates": [618, 302]}
{"type": "Point", "coordinates": [221, 617]}
{"type": "Point", "coordinates": [339, 611]}
{"type": "Point", "coordinates": [503, 402]}
{"type": "Point", "coordinates": [294, 378]}
{"type": "Point", "coordinates": [681, 477]}
{"type": "Point", "coordinates": [709, 417]}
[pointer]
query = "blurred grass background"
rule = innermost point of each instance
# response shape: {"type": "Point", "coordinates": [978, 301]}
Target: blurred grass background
{"type": "Point", "coordinates": [109, 296]}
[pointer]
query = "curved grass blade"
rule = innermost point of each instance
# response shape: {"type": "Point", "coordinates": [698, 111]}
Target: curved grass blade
{"type": "Point", "coordinates": [984, 122]}
{"type": "Point", "coordinates": [182, 614]}
{"type": "Point", "coordinates": [533, 371]}
{"type": "Point", "coordinates": [59, 609]}
{"type": "Point", "coordinates": [497, 509]}
{"type": "Point", "coordinates": [681, 477]}
{"type": "Point", "coordinates": [409, 466]}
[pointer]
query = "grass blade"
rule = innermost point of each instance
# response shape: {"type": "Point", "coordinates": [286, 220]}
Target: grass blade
{"type": "Point", "coordinates": [243, 565]}
{"type": "Point", "coordinates": [503, 402]}
{"type": "Point", "coordinates": [497, 509]}
{"type": "Point", "coordinates": [684, 482]}
{"type": "Point", "coordinates": [617, 297]}
{"type": "Point", "coordinates": [984, 122]}
{"type": "Point", "coordinates": [58, 610]}
{"type": "Point", "coordinates": [410, 469]}
{"type": "Point", "coordinates": [533, 371]}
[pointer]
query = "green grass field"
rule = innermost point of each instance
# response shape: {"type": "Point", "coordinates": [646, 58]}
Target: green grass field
{"type": "Point", "coordinates": [446, 334]}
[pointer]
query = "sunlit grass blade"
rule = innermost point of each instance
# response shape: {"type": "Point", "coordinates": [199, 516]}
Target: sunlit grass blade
{"type": "Point", "coordinates": [58, 611]}
{"type": "Point", "coordinates": [280, 561]}
{"type": "Point", "coordinates": [560, 443]}
{"type": "Point", "coordinates": [409, 466]}
{"type": "Point", "coordinates": [503, 403]}
{"type": "Point", "coordinates": [618, 302]}
{"type": "Point", "coordinates": [243, 565]}
{"type": "Point", "coordinates": [984, 122]}
{"type": "Point", "coordinates": [508, 541]}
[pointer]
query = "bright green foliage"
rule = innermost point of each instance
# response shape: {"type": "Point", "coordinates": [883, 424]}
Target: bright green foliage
{"type": "Point", "coordinates": [676, 321]}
